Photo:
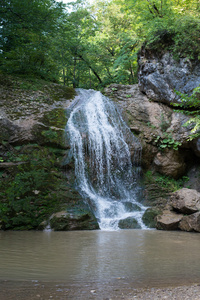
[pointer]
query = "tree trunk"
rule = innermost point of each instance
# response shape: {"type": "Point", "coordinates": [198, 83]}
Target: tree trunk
{"type": "Point", "coordinates": [91, 68]}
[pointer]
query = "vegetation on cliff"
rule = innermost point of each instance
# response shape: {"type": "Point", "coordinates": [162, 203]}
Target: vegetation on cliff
{"type": "Point", "coordinates": [93, 46]}
{"type": "Point", "coordinates": [33, 182]}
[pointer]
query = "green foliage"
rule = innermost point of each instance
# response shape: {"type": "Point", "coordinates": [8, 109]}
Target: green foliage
{"type": "Point", "coordinates": [179, 35]}
{"type": "Point", "coordinates": [50, 135]}
{"type": "Point", "coordinates": [28, 195]}
{"type": "Point", "coordinates": [167, 141]}
{"type": "Point", "coordinates": [164, 123]}
{"type": "Point", "coordinates": [93, 46]}
{"type": "Point", "coordinates": [26, 32]}
{"type": "Point", "coordinates": [165, 182]}
{"type": "Point", "coordinates": [167, 25]}
{"type": "Point", "coordinates": [190, 105]}
{"type": "Point", "coordinates": [159, 187]}
{"type": "Point", "coordinates": [186, 37]}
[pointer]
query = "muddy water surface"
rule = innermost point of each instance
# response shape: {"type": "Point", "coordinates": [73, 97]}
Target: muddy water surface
{"type": "Point", "coordinates": [125, 258]}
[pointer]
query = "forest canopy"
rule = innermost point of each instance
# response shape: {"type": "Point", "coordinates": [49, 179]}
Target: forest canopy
{"type": "Point", "coordinates": [91, 46]}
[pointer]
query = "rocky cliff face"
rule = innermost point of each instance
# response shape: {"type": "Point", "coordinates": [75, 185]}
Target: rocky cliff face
{"type": "Point", "coordinates": [33, 182]}
{"type": "Point", "coordinates": [164, 139]}
{"type": "Point", "coordinates": [166, 149]}
{"type": "Point", "coordinates": [160, 75]}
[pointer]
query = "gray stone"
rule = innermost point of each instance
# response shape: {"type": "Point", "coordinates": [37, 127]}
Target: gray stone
{"type": "Point", "coordinates": [191, 222]}
{"type": "Point", "coordinates": [159, 76]}
{"type": "Point", "coordinates": [186, 201]}
{"type": "Point", "coordinates": [169, 163]}
{"type": "Point", "coordinates": [168, 220]}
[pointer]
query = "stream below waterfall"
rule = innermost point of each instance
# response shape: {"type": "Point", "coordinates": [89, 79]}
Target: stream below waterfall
{"type": "Point", "coordinates": [140, 257]}
{"type": "Point", "coordinates": [107, 160]}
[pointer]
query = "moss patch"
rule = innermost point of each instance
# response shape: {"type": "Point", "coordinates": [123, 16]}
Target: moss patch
{"type": "Point", "coordinates": [149, 217]}
{"type": "Point", "coordinates": [158, 188]}
{"type": "Point", "coordinates": [129, 223]}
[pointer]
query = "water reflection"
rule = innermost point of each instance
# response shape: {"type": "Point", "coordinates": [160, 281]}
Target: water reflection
{"type": "Point", "coordinates": [142, 257]}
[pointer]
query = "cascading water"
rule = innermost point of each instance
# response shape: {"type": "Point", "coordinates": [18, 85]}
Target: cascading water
{"type": "Point", "coordinates": [106, 169]}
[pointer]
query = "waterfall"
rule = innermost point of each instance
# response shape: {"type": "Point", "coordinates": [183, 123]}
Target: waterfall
{"type": "Point", "coordinates": [107, 158]}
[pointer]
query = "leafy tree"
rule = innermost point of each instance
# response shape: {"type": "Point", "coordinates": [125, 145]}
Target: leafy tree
{"type": "Point", "coordinates": [25, 36]}
{"type": "Point", "coordinates": [93, 46]}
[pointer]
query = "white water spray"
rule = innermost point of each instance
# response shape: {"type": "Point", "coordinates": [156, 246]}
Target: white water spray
{"type": "Point", "coordinates": [105, 168]}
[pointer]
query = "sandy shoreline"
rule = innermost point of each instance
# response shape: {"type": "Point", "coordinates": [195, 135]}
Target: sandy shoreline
{"type": "Point", "coordinates": [45, 291]}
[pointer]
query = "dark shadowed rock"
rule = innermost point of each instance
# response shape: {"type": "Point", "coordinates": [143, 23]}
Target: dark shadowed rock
{"type": "Point", "coordinates": [149, 217]}
{"type": "Point", "coordinates": [191, 222]}
{"type": "Point", "coordinates": [193, 176]}
{"type": "Point", "coordinates": [129, 223]}
{"type": "Point", "coordinates": [168, 220]}
{"type": "Point", "coordinates": [186, 201]}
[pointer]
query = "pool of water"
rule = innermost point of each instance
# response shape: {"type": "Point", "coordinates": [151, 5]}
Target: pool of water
{"type": "Point", "coordinates": [142, 257]}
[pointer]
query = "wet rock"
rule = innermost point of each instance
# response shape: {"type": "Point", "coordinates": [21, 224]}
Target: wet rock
{"type": "Point", "coordinates": [64, 221]}
{"type": "Point", "coordinates": [169, 163]}
{"type": "Point", "coordinates": [129, 223]}
{"type": "Point", "coordinates": [149, 217]}
{"type": "Point", "coordinates": [186, 201]}
{"type": "Point", "coordinates": [191, 222]}
{"type": "Point", "coordinates": [43, 225]}
{"type": "Point", "coordinates": [168, 220]}
{"type": "Point", "coordinates": [131, 206]}
{"type": "Point", "coordinates": [160, 75]}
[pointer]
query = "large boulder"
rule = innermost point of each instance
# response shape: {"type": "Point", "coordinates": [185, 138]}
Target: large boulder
{"type": "Point", "coordinates": [33, 116]}
{"type": "Point", "coordinates": [186, 201]}
{"type": "Point", "coordinates": [160, 75]}
{"type": "Point", "coordinates": [169, 220]}
{"type": "Point", "coordinates": [129, 223]}
{"type": "Point", "coordinates": [190, 223]}
{"type": "Point", "coordinates": [149, 217]}
{"type": "Point", "coordinates": [64, 221]}
{"type": "Point", "coordinates": [169, 163]}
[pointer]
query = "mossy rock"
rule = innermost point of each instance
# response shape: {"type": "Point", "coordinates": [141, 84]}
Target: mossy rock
{"type": "Point", "coordinates": [129, 223]}
{"type": "Point", "coordinates": [131, 206]}
{"type": "Point", "coordinates": [55, 117]}
{"type": "Point", "coordinates": [50, 129]}
{"type": "Point", "coordinates": [149, 217]}
{"type": "Point", "coordinates": [64, 221]}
